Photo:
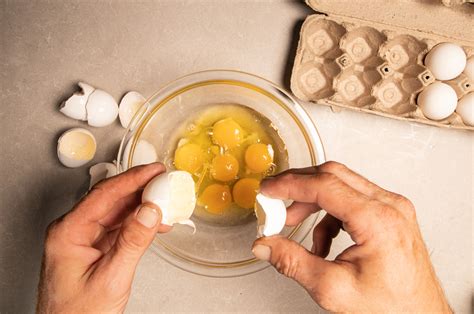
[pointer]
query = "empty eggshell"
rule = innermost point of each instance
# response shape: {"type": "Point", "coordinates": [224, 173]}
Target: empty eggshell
{"type": "Point", "coordinates": [101, 171]}
{"type": "Point", "coordinates": [174, 192]}
{"type": "Point", "coordinates": [144, 153]}
{"type": "Point", "coordinates": [469, 70]}
{"type": "Point", "coordinates": [465, 109]}
{"type": "Point", "coordinates": [271, 215]}
{"type": "Point", "coordinates": [437, 101]}
{"type": "Point", "coordinates": [446, 61]}
{"type": "Point", "coordinates": [102, 109]}
{"type": "Point", "coordinates": [76, 147]}
{"type": "Point", "coordinates": [129, 105]}
{"type": "Point", "coordinates": [75, 106]}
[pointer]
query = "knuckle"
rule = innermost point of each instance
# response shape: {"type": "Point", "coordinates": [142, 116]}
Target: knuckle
{"type": "Point", "coordinates": [328, 178]}
{"type": "Point", "coordinates": [333, 167]}
{"type": "Point", "coordinates": [405, 205]}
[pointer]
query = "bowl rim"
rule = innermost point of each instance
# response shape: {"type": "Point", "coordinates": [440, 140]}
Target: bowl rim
{"type": "Point", "coordinates": [243, 79]}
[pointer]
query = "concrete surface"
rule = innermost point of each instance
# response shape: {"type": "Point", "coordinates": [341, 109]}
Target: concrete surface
{"type": "Point", "coordinates": [48, 46]}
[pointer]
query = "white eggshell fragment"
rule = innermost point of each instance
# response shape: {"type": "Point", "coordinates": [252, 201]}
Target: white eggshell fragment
{"type": "Point", "coordinates": [469, 69]}
{"type": "Point", "coordinates": [465, 109]}
{"type": "Point", "coordinates": [102, 109]}
{"type": "Point", "coordinates": [437, 101]}
{"type": "Point", "coordinates": [129, 105]}
{"type": "Point", "coordinates": [271, 215]}
{"type": "Point", "coordinates": [101, 171]}
{"type": "Point", "coordinates": [144, 153]}
{"type": "Point", "coordinates": [446, 61]}
{"type": "Point", "coordinates": [76, 147]}
{"type": "Point", "coordinates": [174, 192]}
{"type": "Point", "coordinates": [75, 106]}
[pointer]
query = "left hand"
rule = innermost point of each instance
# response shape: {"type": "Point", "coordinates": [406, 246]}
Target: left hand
{"type": "Point", "coordinates": [91, 253]}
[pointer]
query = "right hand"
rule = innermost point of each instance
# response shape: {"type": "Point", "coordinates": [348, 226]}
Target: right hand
{"type": "Point", "coordinates": [388, 269]}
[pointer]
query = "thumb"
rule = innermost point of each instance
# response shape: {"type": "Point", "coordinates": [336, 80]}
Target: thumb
{"type": "Point", "coordinates": [135, 236]}
{"type": "Point", "coordinates": [294, 261]}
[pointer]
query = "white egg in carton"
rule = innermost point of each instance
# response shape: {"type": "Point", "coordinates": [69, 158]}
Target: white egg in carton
{"type": "Point", "coordinates": [380, 69]}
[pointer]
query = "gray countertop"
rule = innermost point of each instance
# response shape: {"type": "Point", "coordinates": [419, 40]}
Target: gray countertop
{"type": "Point", "coordinates": [46, 47]}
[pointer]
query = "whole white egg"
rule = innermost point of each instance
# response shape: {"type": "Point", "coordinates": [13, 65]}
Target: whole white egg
{"type": "Point", "coordinates": [465, 109]}
{"type": "Point", "coordinates": [102, 109]}
{"type": "Point", "coordinates": [437, 101]}
{"type": "Point", "coordinates": [446, 61]}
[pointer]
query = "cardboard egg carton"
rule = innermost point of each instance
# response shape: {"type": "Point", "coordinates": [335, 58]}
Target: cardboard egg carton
{"type": "Point", "coordinates": [369, 66]}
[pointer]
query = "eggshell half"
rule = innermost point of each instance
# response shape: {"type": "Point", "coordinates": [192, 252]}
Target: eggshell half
{"type": "Point", "coordinates": [75, 106]}
{"type": "Point", "coordinates": [271, 215]}
{"type": "Point", "coordinates": [144, 153]}
{"type": "Point", "coordinates": [101, 171]}
{"type": "Point", "coordinates": [102, 109]}
{"type": "Point", "coordinates": [129, 105]}
{"type": "Point", "coordinates": [76, 147]}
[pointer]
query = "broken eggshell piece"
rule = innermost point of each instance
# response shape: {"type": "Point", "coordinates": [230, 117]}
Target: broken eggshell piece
{"type": "Point", "coordinates": [76, 147]}
{"type": "Point", "coordinates": [271, 215]}
{"type": "Point", "coordinates": [174, 192]}
{"type": "Point", "coordinates": [95, 106]}
{"type": "Point", "coordinates": [101, 171]}
{"type": "Point", "coordinates": [129, 105]}
{"type": "Point", "coordinates": [75, 106]}
{"type": "Point", "coordinates": [144, 153]}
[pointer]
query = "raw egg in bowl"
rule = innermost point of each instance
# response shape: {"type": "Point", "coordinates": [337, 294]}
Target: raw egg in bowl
{"type": "Point", "coordinates": [229, 130]}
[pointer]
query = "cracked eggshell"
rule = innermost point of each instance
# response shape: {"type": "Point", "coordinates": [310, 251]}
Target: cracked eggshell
{"type": "Point", "coordinates": [271, 215]}
{"type": "Point", "coordinates": [174, 192]}
{"type": "Point", "coordinates": [76, 147]}
{"type": "Point", "coordinates": [465, 109]}
{"type": "Point", "coordinates": [102, 109]}
{"type": "Point", "coordinates": [144, 153]}
{"type": "Point", "coordinates": [129, 105]}
{"type": "Point", "coordinates": [446, 61]}
{"type": "Point", "coordinates": [75, 106]}
{"type": "Point", "coordinates": [437, 101]}
{"type": "Point", "coordinates": [101, 171]}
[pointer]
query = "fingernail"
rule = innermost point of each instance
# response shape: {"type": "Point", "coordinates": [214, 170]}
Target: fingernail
{"type": "Point", "coordinates": [148, 216]}
{"type": "Point", "coordinates": [262, 252]}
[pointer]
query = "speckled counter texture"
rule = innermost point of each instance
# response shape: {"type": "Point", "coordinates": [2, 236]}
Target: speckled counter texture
{"type": "Point", "coordinates": [46, 47]}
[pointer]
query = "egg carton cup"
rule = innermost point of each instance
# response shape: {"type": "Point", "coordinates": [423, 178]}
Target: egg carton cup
{"type": "Point", "coordinates": [370, 67]}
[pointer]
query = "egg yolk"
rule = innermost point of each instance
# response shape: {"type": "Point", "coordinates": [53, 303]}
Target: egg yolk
{"type": "Point", "coordinates": [227, 133]}
{"type": "Point", "coordinates": [189, 157]}
{"type": "Point", "coordinates": [258, 158]}
{"type": "Point", "coordinates": [245, 191]}
{"type": "Point", "coordinates": [216, 198]}
{"type": "Point", "coordinates": [224, 167]}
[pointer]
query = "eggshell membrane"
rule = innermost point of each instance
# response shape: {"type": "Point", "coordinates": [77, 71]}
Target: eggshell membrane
{"type": "Point", "coordinates": [144, 153]}
{"type": "Point", "coordinates": [129, 105]}
{"type": "Point", "coordinates": [76, 147]}
{"type": "Point", "coordinates": [102, 109]}
{"type": "Point", "coordinates": [174, 192]}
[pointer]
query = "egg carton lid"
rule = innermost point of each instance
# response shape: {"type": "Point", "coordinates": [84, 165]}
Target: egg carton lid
{"type": "Point", "coordinates": [455, 22]}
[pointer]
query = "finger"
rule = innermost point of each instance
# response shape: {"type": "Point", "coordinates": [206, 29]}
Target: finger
{"type": "Point", "coordinates": [326, 230]}
{"type": "Point", "coordinates": [103, 196]}
{"type": "Point", "coordinates": [298, 211]}
{"type": "Point", "coordinates": [294, 261]}
{"type": "Point", "coordinates": [354, 180]}
{"type": "Point", "coordinates": [135, 236]}
{"type": "Point", "coordinates": [327, 191]}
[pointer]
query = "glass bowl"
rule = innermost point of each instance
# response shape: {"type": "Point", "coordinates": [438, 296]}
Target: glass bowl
{"type": "Point", "coordinates": [220, 250]}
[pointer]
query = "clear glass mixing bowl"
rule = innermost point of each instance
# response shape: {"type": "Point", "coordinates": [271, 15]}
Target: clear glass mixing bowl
{"type": "Point", "coordinates": [216, 250]}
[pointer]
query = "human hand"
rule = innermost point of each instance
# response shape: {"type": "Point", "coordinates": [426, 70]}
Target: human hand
{"type": "Point", "coordinates": [91, 253]}
{"type": "Point", "coordinates": [388, 269]}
